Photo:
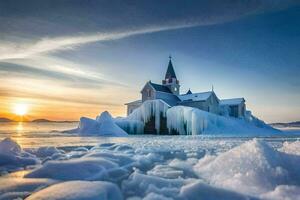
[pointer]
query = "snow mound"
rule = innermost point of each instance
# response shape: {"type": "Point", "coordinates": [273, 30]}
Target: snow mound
{"type": "Point", "coordinates": [104, 125]}
{"type": "Point", "coordinates": [81, 190]}
{"type": "Point", "coordinates": [13, 157]}
{"type": "Point", "coordinates": [201, 191]}
{"type": "Point", "coordinates": [291, 147]}
{"type": "Point", "coordinates": [142, 184]}
{"type": "Point", "coordinates": [254, 167]}
{"type": "Point", "coordinates": [13, 188]}
{"type": "Point", "coordinates": [193, 121]}
{"type": "Point", "coordinates": [285, 192]}
{"type": "Point", "coordinates": [87, 168]}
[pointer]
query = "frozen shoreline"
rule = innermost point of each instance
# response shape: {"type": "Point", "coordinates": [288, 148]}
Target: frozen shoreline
{"type": "Point", "coordinates": [176, 167]}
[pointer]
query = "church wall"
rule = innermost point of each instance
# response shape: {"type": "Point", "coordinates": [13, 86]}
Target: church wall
{"type": "Point", "coordinates": [131, 108]}
{"type": "Point", "coordinates": [210, 105]}
{"type": "Point", "coordinates": [148, 93]}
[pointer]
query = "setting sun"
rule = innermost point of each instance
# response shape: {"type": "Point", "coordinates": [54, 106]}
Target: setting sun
{"type": "Point", "coordinates": [20, 109]}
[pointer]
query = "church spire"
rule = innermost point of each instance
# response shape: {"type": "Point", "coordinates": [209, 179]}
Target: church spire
{"type": "Point", "coordinates": [170, 71]}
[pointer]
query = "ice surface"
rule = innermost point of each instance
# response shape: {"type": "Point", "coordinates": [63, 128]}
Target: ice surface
{"type": "Point", "coordinates": [79, 190]}
{"type": "Point", "coordinates": [178, 167]}
{"type": "Point", "coordinates": [12, 156]}
{"type": "Point", "coordinates": [192, 121]}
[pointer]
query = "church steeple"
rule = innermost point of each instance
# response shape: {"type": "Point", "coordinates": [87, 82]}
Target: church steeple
{"type": "Point", "coordinates": [170, 79]}
{"type": "Point", "coordinates": [170, 71]}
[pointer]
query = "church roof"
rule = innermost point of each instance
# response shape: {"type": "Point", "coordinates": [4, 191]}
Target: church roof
{"type": "Point", "coordinates": [137, 102]}
{"type": "Point", "coordinates": [160, 88]}
{"type": "Point", "coordinates": [170, 71]}
{"type": "Point", "coordinates": [234, 101]}
{"type": "Point", "coordinates": [202, 96]}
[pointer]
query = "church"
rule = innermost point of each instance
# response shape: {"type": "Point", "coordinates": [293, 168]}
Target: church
{"type": "Point", "coordinates": [169, 92]}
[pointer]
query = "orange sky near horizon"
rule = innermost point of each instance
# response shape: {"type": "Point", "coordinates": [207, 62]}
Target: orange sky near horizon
{"type": "Point", "coordinates": [57, 102]}
{"type": "Point", "coordinates": [55, 110]}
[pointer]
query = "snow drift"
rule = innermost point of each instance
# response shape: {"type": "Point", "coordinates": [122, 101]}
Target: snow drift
{"type": "Point", "coordinates": [254, 167]}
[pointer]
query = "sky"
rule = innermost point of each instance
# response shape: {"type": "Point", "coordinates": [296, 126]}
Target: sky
{"type": "Point", "coordinates": [72, 58]}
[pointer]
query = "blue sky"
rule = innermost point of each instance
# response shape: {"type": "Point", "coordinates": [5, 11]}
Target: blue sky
{"type": "Point", "coordinates": [83, 57]}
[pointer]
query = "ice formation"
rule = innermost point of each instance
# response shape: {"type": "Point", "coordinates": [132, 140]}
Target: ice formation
{"type": "Point", "coordinates": [180, 119]}
{"type": "Point", "coordinates": [192, 121]}
{"type": "Point", "coordinates": [151, 108]}
{"type": "Point", "coordinates": [130, 126]}
{"type": "Point", "coordinates": [79, 190]}
{"type": "Point", "coordinates": [20, 188]}
{"type": "Point", "coordinates": [104, 125]}
{"type": "Point", "coordinates": [254, 167]}
{"type": "Point", "coordinates": [12, 156]}
{"type": "Point", "coordinates": [166, 167]}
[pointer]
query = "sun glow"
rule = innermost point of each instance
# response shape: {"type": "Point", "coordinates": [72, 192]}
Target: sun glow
{"type": "Point", "coordinates": [21, 109]}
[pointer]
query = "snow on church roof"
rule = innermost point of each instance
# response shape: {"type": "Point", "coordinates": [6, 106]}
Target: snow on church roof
{"type": "Point", "coordinates": [233, 101]}
{"type": "Point", "coordinates": [202, 96]}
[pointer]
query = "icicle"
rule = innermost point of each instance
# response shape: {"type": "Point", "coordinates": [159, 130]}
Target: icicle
{"type": "Point", "coordinates": [150, 108]}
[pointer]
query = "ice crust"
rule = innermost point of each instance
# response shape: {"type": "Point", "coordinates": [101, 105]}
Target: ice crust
{"type": "Point", "coordinates": [177, 168]}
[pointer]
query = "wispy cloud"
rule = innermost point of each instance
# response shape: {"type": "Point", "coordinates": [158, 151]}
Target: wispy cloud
{"type": "Point", "coordinates": [45, 45]}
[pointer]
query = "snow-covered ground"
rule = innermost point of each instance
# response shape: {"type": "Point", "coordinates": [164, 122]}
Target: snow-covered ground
{"type": "Point", "coordinates": [155, 167]}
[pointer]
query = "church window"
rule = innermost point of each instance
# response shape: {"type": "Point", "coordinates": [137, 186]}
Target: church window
{"type": "Point", "coordinates": [148, 93]}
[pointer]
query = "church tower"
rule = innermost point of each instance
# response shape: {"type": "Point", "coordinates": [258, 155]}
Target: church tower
{"type": "Point", "coordinates": [170, 79]}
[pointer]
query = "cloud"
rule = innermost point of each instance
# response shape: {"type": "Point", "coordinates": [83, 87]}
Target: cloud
{"type": "Point", "coordinates": [46, 45]}
{"type": "Point", "coordinates": [102, 21]}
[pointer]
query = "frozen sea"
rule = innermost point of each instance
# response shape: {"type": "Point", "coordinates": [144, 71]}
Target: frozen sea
{"type": "Point", "coordinates": [41, 162]}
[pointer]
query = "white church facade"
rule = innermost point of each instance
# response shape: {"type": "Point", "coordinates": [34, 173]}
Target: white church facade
{"type": "Point", "coordinates": [169, 92]}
